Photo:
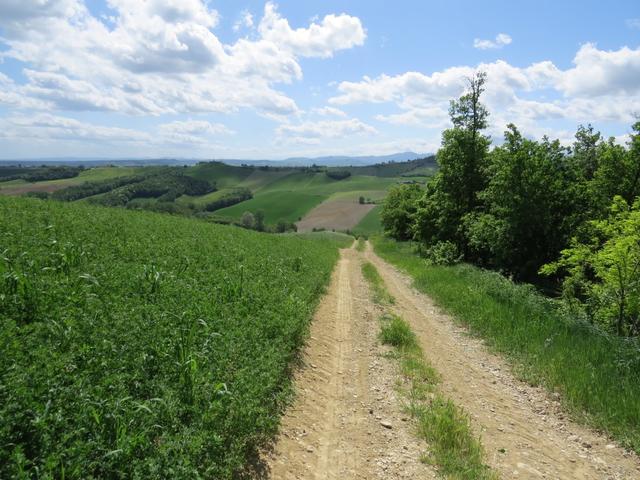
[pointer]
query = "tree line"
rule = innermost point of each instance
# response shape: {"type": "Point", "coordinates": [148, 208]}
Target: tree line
{"type": "Point", "coordinates": [535, 210]}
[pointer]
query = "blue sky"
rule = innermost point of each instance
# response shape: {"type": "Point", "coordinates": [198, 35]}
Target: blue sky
{"type": "Point", "coordinates": [256, 79]}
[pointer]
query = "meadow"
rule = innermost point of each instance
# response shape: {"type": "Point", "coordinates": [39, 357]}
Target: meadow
{"type": "Point", "coordinates": [141, 345]}
{"type": "Point", "coordinates": [597, 374]}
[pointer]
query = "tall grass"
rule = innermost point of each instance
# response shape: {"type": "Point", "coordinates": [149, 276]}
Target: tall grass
{"type": "Point", "coordinates": [597, 375]}
{"type": "Point", "coordinates": [139, 345]}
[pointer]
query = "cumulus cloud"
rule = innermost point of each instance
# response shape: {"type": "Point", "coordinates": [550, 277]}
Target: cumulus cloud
{"type": "Point", "coordinates": [312, 132]}
{"type": "Point", "coordinates": [600, 72]}
{"type": "Point", "coordinates": [601, 86]}
{"type": "Point", "coordinates": [329, 112]}
{"type": "Point", "coordinates": [334, 32]}
{"type": "Point", "coordinates": [500, 41]}
{"type": "Point", "coordinates": [245, 21]}
{"type": "Point", "coordinates": [160, 56]}
{"type": "Point", "coordinates": [192, 131]}
{"type": "Point", "coordinates": [55, 128]}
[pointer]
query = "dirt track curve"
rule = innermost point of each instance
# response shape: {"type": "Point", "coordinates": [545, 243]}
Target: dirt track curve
{"type": "Point", "coordinates": [347, 422]}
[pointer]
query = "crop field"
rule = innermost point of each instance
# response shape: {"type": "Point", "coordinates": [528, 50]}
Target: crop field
{"type": "Point", "coordinates": [141, 345]}
{"type": "Point", "coordinates": [276, 205]}
{"type": "Point", "coordinates": [370, 223]}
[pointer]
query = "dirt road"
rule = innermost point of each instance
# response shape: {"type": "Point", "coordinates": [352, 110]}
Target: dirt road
{"type": "Point", "coordinates": [347, 421]}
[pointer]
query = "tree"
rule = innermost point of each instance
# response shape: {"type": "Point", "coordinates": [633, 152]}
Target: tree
{"type": "Point", "coordinates": [603, 274]}
{"type": "Point", "coordinates": [524, 223]}
{"type": "Point", "coordinates": [259, 221]}
{"type": "Point", "coordinates": [453, 191]}
{"type": "Point", "coordinates": [247, 220]}
{"type": "Point", "coordinates": [398, 209]}
{"type": "Point", "coordinates": [361, 200]}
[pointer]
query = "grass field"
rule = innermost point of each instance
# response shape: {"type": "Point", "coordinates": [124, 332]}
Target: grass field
{"type": "Point", "coordinates": [276, 205]}
{"type": "Point", "coordinates": [370, 224]}
{"type": "Point", "coordinates": [597, 375]}
{"type": "Point", "coordinates": [140, 345]}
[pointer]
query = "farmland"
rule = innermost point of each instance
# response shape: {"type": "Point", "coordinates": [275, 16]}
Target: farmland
{"type": "Point", "coordinates": [211, 190]}
{"type": "Point", "coordinates": [135, 344]}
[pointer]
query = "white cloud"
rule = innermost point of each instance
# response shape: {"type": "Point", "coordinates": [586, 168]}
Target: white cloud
{"type": "Point", "coordinates": [47, 127]}
{"type": "Point", "coordinates": [602, 86]}
{"type": "Point", "coordinates": [600, 72]}
{"type": "Point", "coordinates": [311, 132]}
{"type": "Point", "coordinates": [335, 32]}
{"type": "Point", "coordinates": [245, 21]}
{"type": "Point", "coordinates": [329, 112]}
{"type": "Point", "coordinates": [191, 132]}
{"type": "Point", "coordinates": [633, 22]}
{"type": "Point", "coordinates": [500, 41]}
{"type": "Point", "coordinates": [159, 57]}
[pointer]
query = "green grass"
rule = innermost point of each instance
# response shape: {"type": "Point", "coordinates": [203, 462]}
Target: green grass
{"type": "Point", "coordinates": [597, 375]}
{"type": "Point", "coordinates": [453, 448]}
{"type": "Point", "coordinates": [219, 173]}
{"type": "Point", "coordinates": [361, 245]}
{"type": "Point", "coordinates": [277, 205]}
{"type": "Point", "coordinates": [380, 292]}
{"type": "Point", "coordinates": [141, 345]}
{"type": "Point", "coordinates": [339, 239]}
{"type": "Point", "coordinates": [370, 223]}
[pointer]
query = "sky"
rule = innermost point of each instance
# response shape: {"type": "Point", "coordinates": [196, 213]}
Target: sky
{"type": "Point", "coordinates": [270, 80]}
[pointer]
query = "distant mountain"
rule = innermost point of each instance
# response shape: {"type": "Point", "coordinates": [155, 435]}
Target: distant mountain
{"type": "Point", "coordinates": [329, 161]}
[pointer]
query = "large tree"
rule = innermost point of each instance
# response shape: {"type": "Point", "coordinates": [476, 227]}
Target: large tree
{"type": "Point", "coordinates": [462, 159]}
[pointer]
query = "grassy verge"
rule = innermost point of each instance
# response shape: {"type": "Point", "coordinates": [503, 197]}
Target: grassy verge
{"type": "Point", "coordinates": [360, 246]}
{"type": "Point", "coordinates": [597, 375]}
{"type": "Point", "coordinates": [380, 293]}
{"type": "Point", "coordinates": [140, 345]}
{"type": "Point", "coordinates": [454, 450]}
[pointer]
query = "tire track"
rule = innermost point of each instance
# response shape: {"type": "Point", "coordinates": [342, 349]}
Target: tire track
{"type": "Point", "coordinates": [523, 429]}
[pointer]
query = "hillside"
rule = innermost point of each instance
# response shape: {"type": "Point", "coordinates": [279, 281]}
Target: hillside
{"type": "Point", "coordinates": [134, 344]}
{"type": "Point", "coordinates": [223, 193]}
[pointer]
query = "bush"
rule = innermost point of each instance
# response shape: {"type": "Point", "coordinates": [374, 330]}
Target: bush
{"type": "Point", "coordinates": [338, 174]}
{"type": "Point", "coordinates": [228, 199]}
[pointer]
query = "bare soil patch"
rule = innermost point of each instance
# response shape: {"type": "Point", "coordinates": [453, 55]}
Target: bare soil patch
{"type": "Point", "coordinates": [337, 214]}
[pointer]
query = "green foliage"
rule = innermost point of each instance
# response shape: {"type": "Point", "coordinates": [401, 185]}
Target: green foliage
{"type": "Point", "coordinates": [138, 345]}
{"type": "Point", "coordinates": [397, 333]}
{"type": "Point", "coordinates": [88, 189]}
{"type": "Point", "coordinates": [598, 375]}
{"type": "Point", "coordinates": [442, 253]}
{"type": "Point", "coordinates": [166, 186]}
{"type": "Point", "coordinates": [228, 199]}
{"type": "Point", "coordinates": [380, 292]}
{"type": "Point", "coordinates": [603, 274]}
{"type": "Point", "coordinates": [398, 209]}
{"type": "Point", "coordinates": [39, 174]}
{"type": "Point", "coordinates": [338, 174]}
{"type": "Point", "coordinates": [529, 210]}
{"type": "Point", "coordinates": [452, 194]}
